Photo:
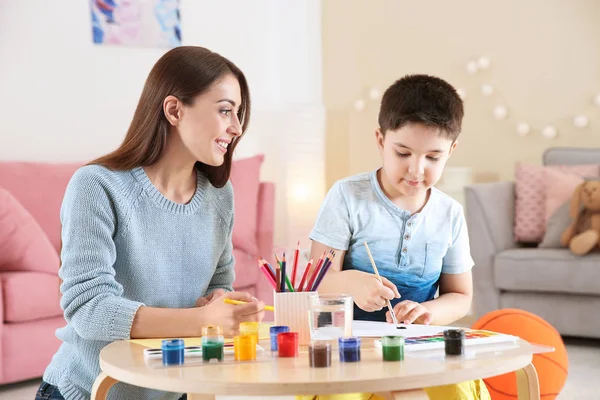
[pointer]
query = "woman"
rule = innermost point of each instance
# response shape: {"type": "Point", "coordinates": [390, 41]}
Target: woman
{"type": "Point", "coordinates": [146, 229]}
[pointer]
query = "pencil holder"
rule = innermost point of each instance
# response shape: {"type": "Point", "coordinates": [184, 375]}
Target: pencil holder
{"type": "Point", "coordinates": [291, 309]}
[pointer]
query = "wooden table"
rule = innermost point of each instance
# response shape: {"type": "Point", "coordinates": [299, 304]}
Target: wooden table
{"type": "Point", "coordinates": [123, 361]}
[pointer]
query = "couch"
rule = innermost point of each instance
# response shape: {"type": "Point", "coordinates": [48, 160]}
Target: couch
{"type": "Point", "coordinates": [30, 199]}
{"type": "Point", "coordinates": [560, 287]}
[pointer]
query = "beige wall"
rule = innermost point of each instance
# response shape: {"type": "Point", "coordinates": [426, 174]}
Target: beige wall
{"type": "Point", "coordinates": [545, 67]}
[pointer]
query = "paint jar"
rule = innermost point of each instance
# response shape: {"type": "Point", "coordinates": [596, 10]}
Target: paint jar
{"type": "Point", "coordinates": [274, 331]}
{"type": "Point", "coordinates": [454, 341]}
{"type": "Point", "coordinates": [287, 344]}
{"type": "Point", "coordinates": [212, 343]}
{"type": "Point", "coordinates": [349, 349]}
{"type": "Point", "coordinates": [319, 354]}
{"type": "Point", "coordinates": [392, 348]}
{"type": "Point", "coordinates": [172, 351]}
{"type": "Point", "coordinates": [244, 348]}
{"type": "Point", "coordinates": [249, 328]}
{"type": "Point", "coordinates": [330, 316]}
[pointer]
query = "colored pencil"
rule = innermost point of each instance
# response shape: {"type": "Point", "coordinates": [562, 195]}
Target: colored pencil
{"type": "Point", "coordinates": [316, 271]}
{"type": "Point", "coordinates": [287, 280]}
{"type": "Point", "coordinates": [263, 263]}
{"type": "Point", "coordinates": [299, 288]}
{"type": "Point", "coordinates": [283, 273]}
{"type": "Point", "coordinates": [324, 270]}
{"type": "Point", "coordinates": [295, 265]}
{"type": "Point", "coordinates": [289, 284]}
{"type": "Point", "coordinates": [268, 275]}
{"type": "Point", "coordinates": [278, 279]}
{"type": "Point", "coordinates": [271, 270]}
{"type": "Point", "coordinates": [389, 303]}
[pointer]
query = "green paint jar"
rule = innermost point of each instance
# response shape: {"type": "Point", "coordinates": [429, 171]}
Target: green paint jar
{"type": "Point", "coordinates": [212, 343]}
{"type": "Point", "coordinates": [392, 348]}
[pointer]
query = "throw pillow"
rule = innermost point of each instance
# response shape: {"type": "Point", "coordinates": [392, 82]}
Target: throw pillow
{"type": "Point", "coordinates": [23, 244]}
{"type": "Point", "coordinates": [559, 187]}
{"type": "Point", "coordinates": [530, 198]}
{"type": "Point", "coordinates": [245, 178]}
{"type": "Point", "coordinates": [557, 223]}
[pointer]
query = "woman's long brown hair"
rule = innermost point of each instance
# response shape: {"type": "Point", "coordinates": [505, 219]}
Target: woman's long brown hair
{"type": "Point", "coordinates": [184, 72]}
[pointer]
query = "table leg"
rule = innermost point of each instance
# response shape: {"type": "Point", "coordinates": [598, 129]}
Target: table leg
{"type": "Point", "coordinates": [102, 384]}
{"type": "Point", "coordinates": [417, 394]}
{"type": "Point", "coordinates": [528, 386]}
{"type": "Point", "coordinates": [195, 396]}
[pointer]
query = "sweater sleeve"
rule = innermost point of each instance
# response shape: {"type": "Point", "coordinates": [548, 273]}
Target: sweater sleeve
{"type": "Point", "coordinates": [91, 297]}
{"type": "Point", "coordinates": [225, 273]}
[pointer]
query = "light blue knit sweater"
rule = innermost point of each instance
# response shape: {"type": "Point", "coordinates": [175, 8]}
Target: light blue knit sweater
{"type": "Point", "coordinates": [126, 245]}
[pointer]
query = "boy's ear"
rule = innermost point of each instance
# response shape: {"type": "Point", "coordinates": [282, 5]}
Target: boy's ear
{"type": "Point", "coordinates": [172, 109]}
{"type": "Point", "coordinates": [380, 137]}
{"type": "Point", "coordinates": [452, 147]}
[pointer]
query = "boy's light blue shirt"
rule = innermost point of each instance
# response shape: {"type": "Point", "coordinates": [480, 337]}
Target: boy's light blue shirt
{"type": "Point", "coordinates": [411, 251]}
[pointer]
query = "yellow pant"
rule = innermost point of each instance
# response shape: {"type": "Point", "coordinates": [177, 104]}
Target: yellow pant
{"type": "Point", "coordinates": [470, 390]}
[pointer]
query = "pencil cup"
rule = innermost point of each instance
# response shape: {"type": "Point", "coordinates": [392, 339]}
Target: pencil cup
{"type": "Point", "coordinates": [291, 309]}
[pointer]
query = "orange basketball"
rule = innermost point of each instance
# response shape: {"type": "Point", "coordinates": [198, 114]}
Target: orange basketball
{"type": "Point", "coordinates": [551, 367]}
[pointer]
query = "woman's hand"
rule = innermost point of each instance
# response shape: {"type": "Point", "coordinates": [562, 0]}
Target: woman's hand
{"type": "Point", "coordinates": [216, 312]}
{"type": "Point", "coordinates": [408, 311]}
{"type": "Point", "coordinates": [202, 301]}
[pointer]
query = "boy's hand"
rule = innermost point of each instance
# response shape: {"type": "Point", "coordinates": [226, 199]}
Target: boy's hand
{"type": "Point", "coordinates": [368, 293]}
{"type": "Point", "coordinates": [408, 312]}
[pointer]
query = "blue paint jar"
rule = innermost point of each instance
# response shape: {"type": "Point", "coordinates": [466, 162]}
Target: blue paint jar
{"type": "Point", "coordinates": [274, 331]}
{"type": "Point", "coordinates": [349, 349]}
{"type": "Point", "coordinates": [172, 352]}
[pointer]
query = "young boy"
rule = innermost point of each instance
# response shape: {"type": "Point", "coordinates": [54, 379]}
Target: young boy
{"type": "Point", "coordinates": [417, 235]}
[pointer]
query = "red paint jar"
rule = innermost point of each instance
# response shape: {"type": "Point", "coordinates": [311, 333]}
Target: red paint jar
{"type": "Point", "coordinates": [287, 344]}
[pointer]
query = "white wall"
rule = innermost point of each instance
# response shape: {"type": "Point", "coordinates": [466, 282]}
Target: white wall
{"type": "Point", "coordinates": [65, 99]}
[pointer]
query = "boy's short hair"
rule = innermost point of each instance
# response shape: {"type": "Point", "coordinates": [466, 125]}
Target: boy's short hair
{"type": "Point", "coordinates": [422, 99]}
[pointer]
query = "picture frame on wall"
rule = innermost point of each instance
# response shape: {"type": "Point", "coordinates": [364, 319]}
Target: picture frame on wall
{"type": "Point", "coordinates": [144, 23]}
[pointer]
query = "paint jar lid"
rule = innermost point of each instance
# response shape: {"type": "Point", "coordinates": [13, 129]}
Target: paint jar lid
{"type": "Point", "coordinates": [349, 342]}
{"type": "Point", "coordinates": [319, 345]}
{"type": "Point", "coordinates": [212, 330]}
{"type": "Point", "coordinates": [392, 341]}
{"type": "Point", "coordinates": [249, 327]}
{"type": "Point", "coordinates": [454, 334]}
{"type": "Point", "coordinates": [286, 338]}
{"type": "Point", "coordinates": [173, 344]}
{"type": "Point", "coordinates": [274, 330]}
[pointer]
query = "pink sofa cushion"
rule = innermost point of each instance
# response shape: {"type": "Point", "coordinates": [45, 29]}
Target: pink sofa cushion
{"type": "Point", "coordinates": [29, 296]}
{"type": "Point", "coordinates": [40, 188]}
{"type": "Point", "coordinates": [530, 198]}
{"type": "Point", "coordinates": [245, 178]}
{"type": "Point", "coordinates": [23, 244]}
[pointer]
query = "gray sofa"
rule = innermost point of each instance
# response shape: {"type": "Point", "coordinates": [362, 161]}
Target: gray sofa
{"type": "Point", "coordinates": [561, 288]}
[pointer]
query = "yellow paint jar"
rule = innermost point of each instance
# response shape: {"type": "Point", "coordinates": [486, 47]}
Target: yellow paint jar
{"type": "Point", "coordinates": [249, 328]}
{"type": "Point", "coordinates": [244, 348]}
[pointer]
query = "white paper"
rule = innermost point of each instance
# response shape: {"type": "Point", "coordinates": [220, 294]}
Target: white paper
{"type": "Point", "coordinates": [378, 329]}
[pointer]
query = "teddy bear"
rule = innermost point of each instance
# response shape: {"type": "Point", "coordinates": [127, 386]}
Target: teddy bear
{"type": "Point", "coordinates": [583, 235]}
